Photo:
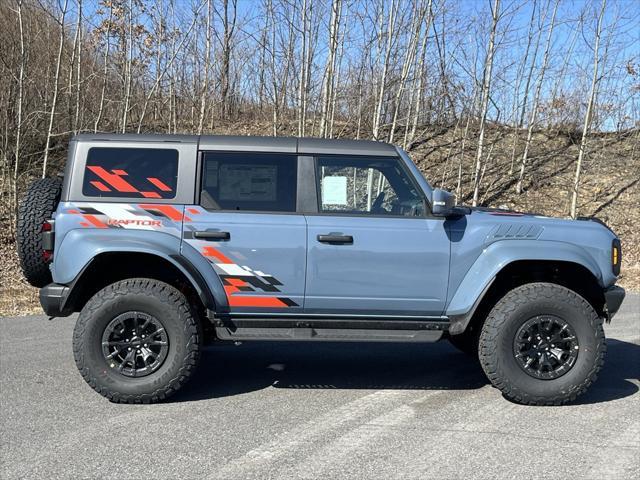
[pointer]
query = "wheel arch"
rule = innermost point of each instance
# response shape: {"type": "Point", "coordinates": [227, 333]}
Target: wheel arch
{"type": "Point", "coordinates": [569, 274]}
{"type": "Point", "coordinates": [88, 260]}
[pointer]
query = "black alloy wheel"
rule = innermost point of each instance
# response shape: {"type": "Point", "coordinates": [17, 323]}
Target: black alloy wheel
{"type": "Point", "coordinates": [135, 344]}
{"type": "Point", "coordinates": [546, 347]}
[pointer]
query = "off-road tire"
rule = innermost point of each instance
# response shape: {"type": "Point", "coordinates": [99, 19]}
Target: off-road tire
{"type": "Point", "coordinates": [154, 298]}
{"type": "Point", "coordinates": [37, 205]}
{"type": "Point", "coordinates": [510, 313]}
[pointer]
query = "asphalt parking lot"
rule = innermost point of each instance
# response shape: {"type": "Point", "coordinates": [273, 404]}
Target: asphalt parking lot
{"type": "Point", "coordinates": [277, 410]}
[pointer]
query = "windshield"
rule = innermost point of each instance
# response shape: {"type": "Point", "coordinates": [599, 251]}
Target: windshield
{"type": "Point", "coordinates": [428, 190]}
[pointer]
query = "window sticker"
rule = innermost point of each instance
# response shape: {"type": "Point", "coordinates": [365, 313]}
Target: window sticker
{"type": "Point", "coordinates": [248, 182]}
{"type": "Point", "coordinates": [334, 190]}
{"type": "Point", "coordinates": [211, 174]}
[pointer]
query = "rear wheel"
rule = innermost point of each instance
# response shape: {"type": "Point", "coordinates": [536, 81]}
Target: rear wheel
{"type": "Point", "coordinates": [38, 205]}
{"type": "Point", "coordinates": [136, 341]}
{"type": "Point", "coordinates": [542, 344]}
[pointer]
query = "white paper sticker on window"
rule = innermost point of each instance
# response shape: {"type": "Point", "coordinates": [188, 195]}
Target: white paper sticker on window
{"type": "Point", "coordinates": [334, 191]}
{"type": "Point", "coordinates": [256, 183]}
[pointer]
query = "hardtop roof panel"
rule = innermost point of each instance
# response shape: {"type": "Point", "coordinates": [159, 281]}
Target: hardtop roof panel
{"type": "Point", "coordinates": [240, 143]}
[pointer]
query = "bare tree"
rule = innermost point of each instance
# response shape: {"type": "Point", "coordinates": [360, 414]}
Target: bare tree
{"type": "Point", "coordinates": [106, 29]}
{"type": "Point", "coordinates": [19, 102]}
{"type": "Point", "coordinates": [228, 25]}
{"type": "Point", "coordinates": [536, 99]}
{"type": "Point", "coordinates": [56, 83]}
{"type": "Point", "coordinates": [586, 128]}
{"type": "Point", "coordinates": [328, 83]}
{"type": "Point", "coordinates": [416, 26]}
{"type": "Point", "coordinates": [486, 92]}
{"type": "Point", "coordinates": [207, 65]}
{"type": "Point", "coordinates": [128, 76]}
{"type": "Point", "coordinates": [377, 118]}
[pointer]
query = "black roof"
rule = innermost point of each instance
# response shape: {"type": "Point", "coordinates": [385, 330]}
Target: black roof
{"type": "Point", "coordinates": [251, 143]}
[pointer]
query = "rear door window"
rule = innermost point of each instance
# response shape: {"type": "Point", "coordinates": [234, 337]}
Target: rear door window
{"type": "Point", "coordinates": [249, 181]}
{"type": "Point", "coordinates": [131, 173]}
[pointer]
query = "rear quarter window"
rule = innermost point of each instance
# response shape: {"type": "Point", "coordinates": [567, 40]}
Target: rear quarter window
{"type": "Point", "coordinates": [131, 173]}
{"type": "Point", "coordinates": [261, 182]}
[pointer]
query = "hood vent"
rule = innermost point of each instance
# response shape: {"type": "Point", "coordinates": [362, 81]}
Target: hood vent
{"type": "Point", "coordinates": [515, 231]}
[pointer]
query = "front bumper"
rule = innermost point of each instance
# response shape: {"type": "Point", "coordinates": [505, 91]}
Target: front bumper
{"type": "Point", "coordinates": [613, 297]}
{"type": "Point", "coordinates": [53, 298]}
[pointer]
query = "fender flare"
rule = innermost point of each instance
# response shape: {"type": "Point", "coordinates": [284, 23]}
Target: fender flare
{"type": "Point", "coordinates": [81, 247]}
{"type": "Point", "coordinates": [493, 259]}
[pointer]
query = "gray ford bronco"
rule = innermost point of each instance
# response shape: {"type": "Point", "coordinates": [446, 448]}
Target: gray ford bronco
{"type": "Point", "coordinates": [163, 243]}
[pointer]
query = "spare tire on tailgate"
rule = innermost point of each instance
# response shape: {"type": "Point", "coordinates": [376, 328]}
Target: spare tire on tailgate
{"type": "Point", "coordinates": [38, 204]}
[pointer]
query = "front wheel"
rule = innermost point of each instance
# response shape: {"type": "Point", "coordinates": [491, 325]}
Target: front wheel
{"type": "Point", "coordinates": [136, 341]}
{"type": "Point", "coordinates": [542, 344]}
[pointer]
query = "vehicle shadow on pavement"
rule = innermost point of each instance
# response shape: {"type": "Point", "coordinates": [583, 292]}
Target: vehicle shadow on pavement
{"type": "Point", "coordinates": [227, 370]}
{"type": "Point", "coordinates": [621, 364]}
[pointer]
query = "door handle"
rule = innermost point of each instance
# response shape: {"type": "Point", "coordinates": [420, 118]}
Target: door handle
{"type": "Point", "coordinates": [211, 235]}
{"type": "Point", "coordinates": [335, 239]}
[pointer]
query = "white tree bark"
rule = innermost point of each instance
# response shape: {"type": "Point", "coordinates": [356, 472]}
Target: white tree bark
{"type": "Point", "coordinates": [486, 92]}
{"type": "Point", "coordinates": [207, 61]}
{"type": "Point", "coordinates": [377, 120]}
{"type": "Point", "coordinates": [128, 76]}
{"type": "Point", "coordinates": [76, 117]}
{"type": "Point", "coordinates": [327, 85]}
{"type": "Point", "coordinates": [168, 66]}
{"type": "Point", "coordinates": [105, 69]}
{"type": "Point", "coordinates": [536, 99]}
{"type": "Point", "coordinates": [406, 66]}
{"type": "Point", "coordinates": [19, 102]}
{"type": "Point", "coordinates": [56, 83]}
{"type": "Point", "coordinates": [586, 128]}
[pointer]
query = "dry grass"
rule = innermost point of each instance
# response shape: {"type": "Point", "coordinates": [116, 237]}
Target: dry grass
{"type": "Point", "coordinates": [610, 189]}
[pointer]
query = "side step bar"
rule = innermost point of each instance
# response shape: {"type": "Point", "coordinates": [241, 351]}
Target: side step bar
{"type": "Point", "coordinates": [345, 329]}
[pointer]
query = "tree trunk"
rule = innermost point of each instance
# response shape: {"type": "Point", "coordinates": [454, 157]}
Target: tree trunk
{"type": "Point", "coordinates": [406, 67]}
{"type": "Point", "coordinates": [589, 114]}
{"type": "Point", "coordinates": [536, 99]}
{"type": "Point", "coordinates": [104, 70]}
{"type": "Point", "coordinates": [327, 84]}
{"type": "Point", "coordinates": [127, 73]}
{"type": "Point", "coordinates": [76, 118]}
{"type": "Point", "coordinates": [486, 92]}
{"type": "Point", "coordinates": [56, 82]}
{"type": "Point", "coordinates": [19, 105]}
{"type": "Point", "coordinates": [377, 120]}
{"type": "Point", "coordinates": [207, 61]}
{"type": "Point", "coordinates": [229, 27]}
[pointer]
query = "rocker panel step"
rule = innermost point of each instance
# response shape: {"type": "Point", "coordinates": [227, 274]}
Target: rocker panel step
{"type": "Point", "coordinates": [328, 334]}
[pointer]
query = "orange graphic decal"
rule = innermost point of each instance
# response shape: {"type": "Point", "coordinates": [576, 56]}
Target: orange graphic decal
{"type": "Point", "coordinates": [250, 301]}
{"type": "Point", "coordinates": [94, 221]}
{"type": "Point", "coordinates": [215, 253]}
{"type": "Point", "coordinates": [100, 186]}
{"type": "Point", "coordinates": [167, 210]}
{"type": "Point", "coordinates": [159, 183]}
{"type": "Point", "coordinates": [113, 179]}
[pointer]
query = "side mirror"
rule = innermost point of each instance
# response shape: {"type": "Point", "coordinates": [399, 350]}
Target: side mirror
{"type": "Point", "coordinates": [443, 203]}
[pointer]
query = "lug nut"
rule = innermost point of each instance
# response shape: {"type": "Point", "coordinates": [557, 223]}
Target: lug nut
{"type": "Point", "coordinates": [129, 348]}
